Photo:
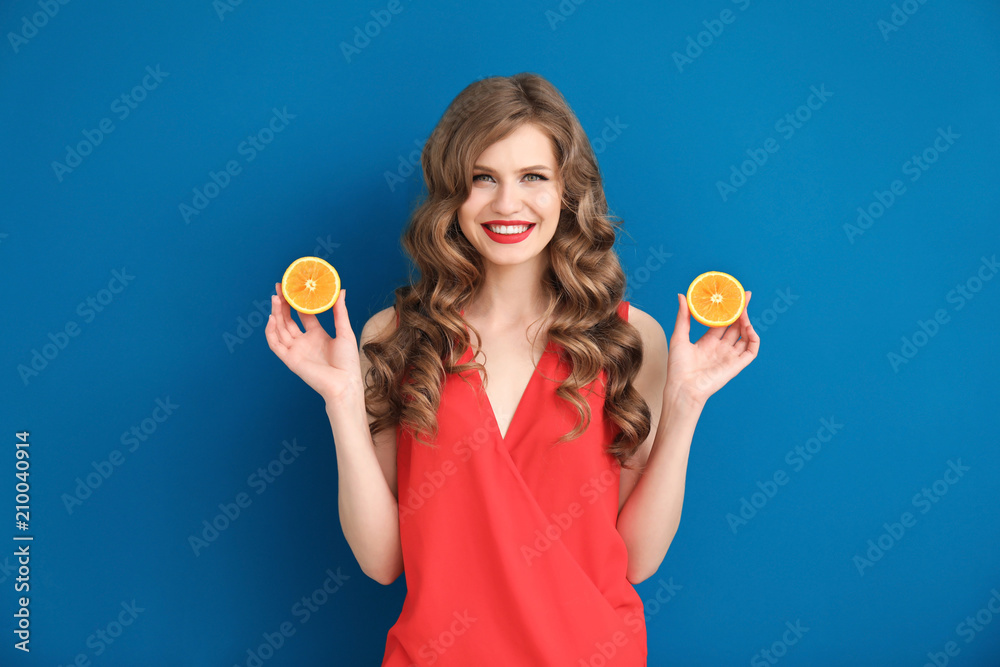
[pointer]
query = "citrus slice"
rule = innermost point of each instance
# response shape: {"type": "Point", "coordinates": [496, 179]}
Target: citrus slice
{"type": "Point", "coordinates": [716, 299]}
{"type": "Point", "coordinates": [310, 285]}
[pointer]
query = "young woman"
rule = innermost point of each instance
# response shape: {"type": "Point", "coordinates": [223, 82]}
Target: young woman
{"type": "Point", "coordinates": [512, 435]}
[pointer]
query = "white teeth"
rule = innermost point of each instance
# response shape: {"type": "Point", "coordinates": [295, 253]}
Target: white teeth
{"type": "Point", "coordinates": [508, 229]}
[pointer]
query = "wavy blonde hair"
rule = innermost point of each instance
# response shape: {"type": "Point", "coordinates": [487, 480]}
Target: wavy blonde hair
{"type": "Point", "coordinates": [584, 281]}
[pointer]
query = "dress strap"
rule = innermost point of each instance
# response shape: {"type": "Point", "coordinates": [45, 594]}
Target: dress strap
{"type": "Point", "coordinates": [623, 310]}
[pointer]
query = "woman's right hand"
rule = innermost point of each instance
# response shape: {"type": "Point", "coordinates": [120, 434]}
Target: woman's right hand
{"type": "Point", "coordinates": [331, 366]}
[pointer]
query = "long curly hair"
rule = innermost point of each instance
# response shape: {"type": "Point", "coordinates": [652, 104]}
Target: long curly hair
{"type": "Point", "coordinates": [584, 281]}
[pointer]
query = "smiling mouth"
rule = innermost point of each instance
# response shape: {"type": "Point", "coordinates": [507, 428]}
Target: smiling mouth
{"type": "Point", "coordinates": [509, 229]}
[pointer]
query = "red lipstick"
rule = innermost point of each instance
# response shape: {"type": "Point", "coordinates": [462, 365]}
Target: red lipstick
{"type": "Point", "coordinates": [508, 238]}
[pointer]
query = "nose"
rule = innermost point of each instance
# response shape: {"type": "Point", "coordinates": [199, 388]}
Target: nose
{"type": "Point", "coordinates": [506, 201]}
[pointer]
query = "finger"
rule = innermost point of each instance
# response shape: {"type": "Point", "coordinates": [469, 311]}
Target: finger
{"type": "Point", "coordinates": [682, 327]}
{"type": "Point", "coordinates": [735, 331]}
{"type": "Point", "coordinates": [745, 317]}
{"type": "Point", "coordinates": [286, 325]}
{"type": "Point", "coordinates": [732, 333]}
{"type": "Point", "coordinates": [310, 322]}
{"type": "Point", "coordinates": [341, 320]}
{"type": "Point", "coordinates": [271, 334]}
{"type": "Point", "coordinates": [281, 321]}
{"type": "Point", "coordinates": [741, 344]}
{"type": "Point", "coordinates": [752, 343]}
{"type": "Point", "coordinates": [710, 337]}
{"type": "Point", "coordinates": [275, 321]}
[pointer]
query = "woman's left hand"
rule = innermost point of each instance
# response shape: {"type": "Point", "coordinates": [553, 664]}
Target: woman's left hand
{"type": "Point", "coordinates": [696, 371]}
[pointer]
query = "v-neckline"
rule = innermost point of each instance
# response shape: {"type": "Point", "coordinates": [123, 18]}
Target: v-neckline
{"type": "Point", "coordinates": [527, 387]}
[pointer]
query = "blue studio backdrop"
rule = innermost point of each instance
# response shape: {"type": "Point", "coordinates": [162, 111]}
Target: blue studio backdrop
{"type": "Point", "coordinates": [163, 163]}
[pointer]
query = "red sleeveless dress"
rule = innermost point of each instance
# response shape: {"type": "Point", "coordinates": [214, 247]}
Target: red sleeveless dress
{"type": "Point", "coordinates": [510, 550]}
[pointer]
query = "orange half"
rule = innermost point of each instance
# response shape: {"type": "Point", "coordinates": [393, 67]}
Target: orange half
{"type": "Point", "coordinates": [716, 299]}
{"type": "Point", "coordinates": [310, 285]}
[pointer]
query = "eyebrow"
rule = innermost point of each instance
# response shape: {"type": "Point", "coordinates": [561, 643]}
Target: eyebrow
{"type": "Point", "coordinates": [537, 167]}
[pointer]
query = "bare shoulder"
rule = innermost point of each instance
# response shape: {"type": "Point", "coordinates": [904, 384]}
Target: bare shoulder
{"type": "Point", "coordinates": [385, 441]}
{"type": "Point", "coordinates": [649, 382]}
{"type": "Point", "coordinates": [654, 338]}
{"type": "Point", "coordinates": [378, 324]}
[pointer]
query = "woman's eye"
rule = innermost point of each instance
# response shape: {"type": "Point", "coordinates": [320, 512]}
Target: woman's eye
{"type": "Point", "coordinates": [538, 177]}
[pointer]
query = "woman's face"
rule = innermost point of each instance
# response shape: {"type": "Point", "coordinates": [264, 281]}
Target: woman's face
{"type": "Point", "coordinates": [514, 185]}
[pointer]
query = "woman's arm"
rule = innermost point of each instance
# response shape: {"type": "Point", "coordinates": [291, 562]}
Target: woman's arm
{"type": "Point", "coordinates": [649, 518]}
{"type": "Point", "coordinates": [366, 476]}
{"type": "Point", "coordinates": [652, 498]}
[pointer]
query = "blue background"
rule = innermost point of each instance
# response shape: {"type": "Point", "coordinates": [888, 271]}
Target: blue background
{"type": "Point", "coordinates": [830, 307]}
